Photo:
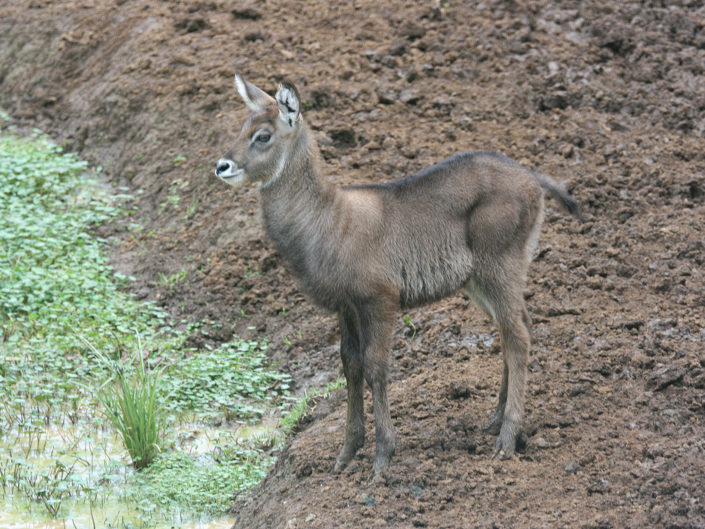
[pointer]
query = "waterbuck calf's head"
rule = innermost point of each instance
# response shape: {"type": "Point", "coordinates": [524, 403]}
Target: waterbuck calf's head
{"type": "Point", "coordinates": [263, 146]}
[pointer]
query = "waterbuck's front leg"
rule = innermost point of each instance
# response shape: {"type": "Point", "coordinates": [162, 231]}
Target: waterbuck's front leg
{"type": "Point", "coordinates": [364, 346]}
{"type": "Point", "coordinates": [351, 355]}
{"type": "Point", "coordinates": [376, 320]}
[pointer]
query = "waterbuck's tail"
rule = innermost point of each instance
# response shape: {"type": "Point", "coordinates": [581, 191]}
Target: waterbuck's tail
{"type": "Point", "coordinates": [560, 194]}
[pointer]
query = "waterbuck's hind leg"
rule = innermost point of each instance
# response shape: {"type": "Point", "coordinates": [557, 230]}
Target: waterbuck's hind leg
{"type": "Point", "coordinates": [515, 343]}
{"type": "Point", "coordinates": [500, 295]}
{"type": "Point", "coordinates": [351, 354]}
{"type": "Point", "coordinates": [495, 423]}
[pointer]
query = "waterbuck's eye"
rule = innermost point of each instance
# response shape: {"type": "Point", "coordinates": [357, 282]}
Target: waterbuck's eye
{"type": "Point", "coordinates": [262, 137]}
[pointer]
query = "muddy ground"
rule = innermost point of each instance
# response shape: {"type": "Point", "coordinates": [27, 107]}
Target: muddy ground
{"type": "Point", "coordinates": [606, 96]}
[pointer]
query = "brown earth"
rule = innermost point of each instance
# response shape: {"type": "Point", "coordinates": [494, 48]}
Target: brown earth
{"type": "Point", "coordinates": [609, 96]}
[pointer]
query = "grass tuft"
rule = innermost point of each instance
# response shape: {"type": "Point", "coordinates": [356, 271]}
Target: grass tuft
{"type": "Point", "coordinates": [131, 404]}
{"type": "Point", "coordinates": [291, 420]}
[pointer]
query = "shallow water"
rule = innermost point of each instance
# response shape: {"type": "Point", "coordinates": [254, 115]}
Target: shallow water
{"type": "Point", "coordinates": [15, 517]}
{"type": "Point", "coordinates": [97, 458]}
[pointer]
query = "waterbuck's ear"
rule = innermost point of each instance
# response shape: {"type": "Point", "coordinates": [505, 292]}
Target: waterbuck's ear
{"type": "Point", "coordinates": [255, 99]}
{"type": "Point", "coordinates": [289, 103]}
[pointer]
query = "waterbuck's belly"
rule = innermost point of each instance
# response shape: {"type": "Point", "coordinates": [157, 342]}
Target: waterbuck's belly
{"type": "Point", "coordinates": [432, 275]}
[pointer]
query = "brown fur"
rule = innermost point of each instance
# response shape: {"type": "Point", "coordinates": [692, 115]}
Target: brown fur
{"type": "Point", "coordinates": [469, 223]}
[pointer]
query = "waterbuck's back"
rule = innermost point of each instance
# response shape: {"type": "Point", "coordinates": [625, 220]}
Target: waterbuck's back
{"type": "Point", "coordinates": [435, 228]}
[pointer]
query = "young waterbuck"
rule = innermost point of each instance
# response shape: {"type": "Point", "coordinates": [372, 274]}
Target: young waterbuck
{"type": "Point", "coordinates": [470, 223]}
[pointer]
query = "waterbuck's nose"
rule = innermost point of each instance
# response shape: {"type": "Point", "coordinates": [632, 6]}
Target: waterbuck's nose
{"type": "Point", "coordinates": [223, 167]}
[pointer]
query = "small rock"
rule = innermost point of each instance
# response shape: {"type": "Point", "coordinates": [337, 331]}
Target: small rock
{"type": "Point", "coordinates": [653, 451]}
{"type": "Point", "coordinates": [428, 70]}
{"type": "Point", "coordinates": [388, 143]}
{"type": "Point", "coordinates": [410, 74]}
{"type": "Point", "coordinates": [253, 36]}
{"type": "Point", "coordinates": [411, 30]}
{"type": "Point", "coordinates": [664, 377]}
{"type": "Point", "coordinates": [457, 391]}
{"type": "Point", "coordinates": [247, 13]}
{"type": "Point", "coordinates": [566, 420]}
{"type": "Point", "coordinates": [366, 500]}
{"type": "Point", "coordinates": [416, 491]}
{"type": "Point", "coordinates": [552, 312]}
{"type": "Point", "coordinates": [556, 100]}
{"type": "Point", "coordinates": [193, 24]}
{"type": "Point", "coordinates": [518, 48]}
{"type": "Point", "coordinates": [410, 96]}
{"type": "Point", "coordinates": [540, 442]}
{"type": "Point", "coordinates": [142, 293]}
{"type": "Point", "coordinates": [397, 49]}
{"type": "Point", "coordinates": [598, 486]}
{"type": "Point", "coordinates": [386, 96]}
{"type": "Point", "coordinates": [389, 61]}
{"type": "Point", "coordinates": [572, 467]}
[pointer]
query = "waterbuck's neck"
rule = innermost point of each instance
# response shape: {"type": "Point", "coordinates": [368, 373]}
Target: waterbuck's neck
{"type": "Point", "coordinates": [297, 174]}
{"type": "Point", "coordinates": [297, 204]}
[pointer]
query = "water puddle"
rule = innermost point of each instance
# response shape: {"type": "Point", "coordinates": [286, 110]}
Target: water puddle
{"type": "Point", "coordinates": [15, 517]}
{"type": "Point", "coordinates": [82, 471]}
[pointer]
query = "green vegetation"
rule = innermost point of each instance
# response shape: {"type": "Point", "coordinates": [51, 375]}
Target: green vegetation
{"type": "Point", "coordinates": [176, 481]}
{"type": "Point", "coordinates": [292, 418]}
{"type": "Point", "coordinates": [410, 325]}
{"type": "Point", "coordinates": [131, 405]}
{"type": "Point", "coordinates": [71, 339]}
{"type": "Point", "coordinates": [232, 383]}
{"type": "Point", "coordinates": [172, 280]}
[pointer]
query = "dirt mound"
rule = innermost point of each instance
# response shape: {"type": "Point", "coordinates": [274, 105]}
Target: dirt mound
{"type": "Point", "coordinates": [607, 96]}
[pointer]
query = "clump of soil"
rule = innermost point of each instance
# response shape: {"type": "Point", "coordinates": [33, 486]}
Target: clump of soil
{"type": "Point", "coordinates": [606, 96]}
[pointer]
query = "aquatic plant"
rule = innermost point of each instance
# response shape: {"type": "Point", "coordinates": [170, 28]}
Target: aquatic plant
{"type": "Point", "coordinates": [129, 399]}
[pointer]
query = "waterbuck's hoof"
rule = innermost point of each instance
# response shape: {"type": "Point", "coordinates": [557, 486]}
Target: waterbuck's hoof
{"type": "Point", "coordinates": [380, 465]}
{"type": "Point", "coordinates": [341, 463]}
{"type": "Point", "coordinates": [379, 476]}
{"type": "Point", "coordinates": [502, 453]}
{"type": "Point", "coordinates": [505, 446]}
{"type": "Point", "coordinates": [495, 424]}
{"type": "Point", "coordinates": [346, 455]}
{"type": "Point", "coordinates": [384, 457]}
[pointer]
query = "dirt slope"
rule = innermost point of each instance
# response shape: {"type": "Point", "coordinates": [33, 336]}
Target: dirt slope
{"type": "Point", "coordinates": [609, 96]}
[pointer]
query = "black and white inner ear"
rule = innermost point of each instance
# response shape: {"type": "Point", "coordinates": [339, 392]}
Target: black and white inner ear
{"type": "Point", "coordinates": [288, 103]}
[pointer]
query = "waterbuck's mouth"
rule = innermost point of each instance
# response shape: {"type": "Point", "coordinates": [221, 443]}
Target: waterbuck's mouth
{"type": "Point", "coordinates": [232, 178]}
{"type": "Point", "coordinates": [229, 176]}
